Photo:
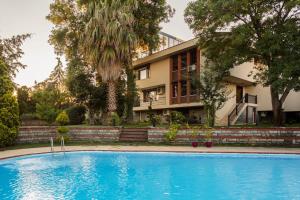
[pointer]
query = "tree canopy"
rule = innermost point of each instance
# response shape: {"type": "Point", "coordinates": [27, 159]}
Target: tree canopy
{"type": "Point", "coordinates": [238, 31]}
{"type": "Point", "coordinates": [11, 52]}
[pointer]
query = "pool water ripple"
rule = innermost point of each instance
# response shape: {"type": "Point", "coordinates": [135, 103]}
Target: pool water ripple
{"type": "Point", "coordinates": [145, 176]}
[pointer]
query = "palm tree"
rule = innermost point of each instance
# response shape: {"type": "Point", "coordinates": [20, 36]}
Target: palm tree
{"type": "Point", "coordinates": [109, 39]}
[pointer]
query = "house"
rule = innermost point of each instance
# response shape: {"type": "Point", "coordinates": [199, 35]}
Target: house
{"type": "Point", "coordinates": [164, 81]}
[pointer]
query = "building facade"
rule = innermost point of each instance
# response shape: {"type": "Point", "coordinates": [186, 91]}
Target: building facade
{"type": "Point", "coordinates": [164, 81]}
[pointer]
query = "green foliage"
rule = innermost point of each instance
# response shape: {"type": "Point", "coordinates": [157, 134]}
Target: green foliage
{"type": "Point", "coordinates": [76, 114]}
{"type": "Point", "coordinates": [148, 17]}
{"type": "Point", "coordinates": [267, 31]}
{"type": "Point", "coordinates": [62, 131]}
{"type": "Point", "coordinates": [7, 135]}
{"type": "Point", "coordinates": [49, 101]}
{"type": "Point", "coordinates": [170, 136]}
{"type": "Point", "coordinates": [26, 104]}
{"type": "Point", "coordinates": [208, 133]}
{"type": "Point", "coordinates": [212, 91]}
{"type": "Point", "coordinates": [115, 119]}
{"type": "Point", "coordinates": [73, 18]}
{"type": "Point", "coordinates": [9, 112]}
{"type": "Point", "coordinates": [177, 117]}
{"type": "Point", "coordinates": [130, 95]}
{"type": "Point", "coordinates": [62, 119]}
{"type": "Point", "coordinates": [46, 112]}
{"type": "Point", "coordinates": [11, 52]}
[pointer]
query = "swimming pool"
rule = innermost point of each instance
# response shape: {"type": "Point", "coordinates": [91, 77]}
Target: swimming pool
{"type": "Point", "coordinates": [172, 176]}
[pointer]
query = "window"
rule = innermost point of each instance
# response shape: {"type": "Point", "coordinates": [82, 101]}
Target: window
{"type": "Point", "coordinates": [183, 61]}
{"type": "Point", "coordinates": [174, 90]}
{"type": "Point", "coordinates": [153, 94]}
{"type": "Point", "coordinates": [193, 57]}
{"type": "Point", "coordinates": [144, 73]}
{"type": "Point", "coordinates": [193, 88]}
{"type": "Point", "coordinates": [183, 88]}
{"type": "Point", "coordinates": [175, 63]}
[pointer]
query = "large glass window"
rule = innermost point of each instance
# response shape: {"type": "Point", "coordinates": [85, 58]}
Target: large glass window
{"type": "Point", "coordinates": [175, 63]}
{"type": "Point", "coordinates": [193, 57]}
{"type": "Point", "coordinates": [193, 88]}
{"type": "Point", "coordinates": [183, 88]}
{"type": "Point", "coordinates": [183, 61]}
{"type": "Point", "coordinates": [174, 90]}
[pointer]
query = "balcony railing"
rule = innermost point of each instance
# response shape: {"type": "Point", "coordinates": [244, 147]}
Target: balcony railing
{"type": "Point", "coordinates": [160, 101]}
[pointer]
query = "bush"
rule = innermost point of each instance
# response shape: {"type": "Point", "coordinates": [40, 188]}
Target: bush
{"type": "Point", "coordinates": [177, 117]}
{"type": "Point", "coordinates": [172, 133]}
{"type": "Point", "coordinates": [76, 115]}
{"type": "Point", "coordinates": [62, 131]}
{"type": "Point", "coordinates": [154, 119]}
{"type": "Point", "coordinates": [47, 113]}
{"type": "Point", "coordinates": [62, 119]}
{"type": "Point", "coordinates": [115, 119]}
{"type": "Point", "coordinates": [9, 120]}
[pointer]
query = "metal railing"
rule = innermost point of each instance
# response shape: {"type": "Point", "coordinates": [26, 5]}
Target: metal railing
{"type": "Point", "coordinates": [238, 107]}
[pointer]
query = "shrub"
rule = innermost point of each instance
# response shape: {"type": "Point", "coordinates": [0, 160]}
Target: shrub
{"type": "Point", "coordinates": [177, 117]}
{"type": "Point", "coordinates": [76, 114]}
{"type": "Point", "coordinates": [47, 113]}
{"type": "Point", "coordinates": [154, 119]}
{"type": "Point", "coordinates": [172, 132]}
{"type": "Point", "coordinates": [115, 119]}
{"type": "Point", "coordinates": [62, 131]}
{"type": "Point", "coordinates": [9, 120]}
{"type": "Point", "coordinates": [62, 119]}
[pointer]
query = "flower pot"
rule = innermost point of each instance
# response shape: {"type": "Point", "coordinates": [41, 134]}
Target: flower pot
{"type": "Point", "coordinates": [208, 144]}
{"type": "Point", "coordinates": [194, 144]}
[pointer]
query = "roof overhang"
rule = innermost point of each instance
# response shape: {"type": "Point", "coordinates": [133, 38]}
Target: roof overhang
{"type": "Point", "coordinates": [238, 81]}
{"type": "Point", "coordinates": [165, 53]}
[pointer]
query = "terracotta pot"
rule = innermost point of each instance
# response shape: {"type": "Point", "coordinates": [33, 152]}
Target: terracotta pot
{"type": "Point", "coordinates": [208, 144]}
{"type": "Point", "coordinates": [194, 144]}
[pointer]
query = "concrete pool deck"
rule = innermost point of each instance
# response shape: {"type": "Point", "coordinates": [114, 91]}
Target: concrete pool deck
{"type": "Point", "coordinates": [126, 148]}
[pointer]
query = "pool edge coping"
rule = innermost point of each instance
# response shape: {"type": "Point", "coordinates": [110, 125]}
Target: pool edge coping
{"type": "Point", "coordinates": [144, 151]}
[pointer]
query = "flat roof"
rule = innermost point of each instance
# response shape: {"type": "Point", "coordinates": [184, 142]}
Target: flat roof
{"type": "Point", "coordinates": [160, 55]}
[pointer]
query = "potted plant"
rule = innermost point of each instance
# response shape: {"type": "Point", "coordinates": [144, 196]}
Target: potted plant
{"type": "Point", "coordinates": [208, 136]}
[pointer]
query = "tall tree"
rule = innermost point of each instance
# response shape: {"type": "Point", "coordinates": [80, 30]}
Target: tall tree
{"type": "Point", "coordinates": [11, 52]}
{"type": "Point", "coordinates": [57, 76]}
{"type": "Point", "coordinates": [9, 112]}
{"type": "Point", "coordinates": [108, 41]}
{"type": "Point", "coordinates": [70, 18]}
{"type": "Point", "coordinates": [264, 30]}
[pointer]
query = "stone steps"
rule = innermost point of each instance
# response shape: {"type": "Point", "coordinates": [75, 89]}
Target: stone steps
{"type": "Point", "coordinates": [133, 135]}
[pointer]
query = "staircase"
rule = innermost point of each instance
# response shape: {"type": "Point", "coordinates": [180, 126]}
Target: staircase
{"type": "Point", "coordinates": [242, 108]}
{"type": "Point", "coordinates": [134, 135]}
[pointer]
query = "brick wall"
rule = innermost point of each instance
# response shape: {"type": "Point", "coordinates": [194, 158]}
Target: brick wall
{"type": "Point", "coordinates": [44, 133]}
{"type": "Point", "coordinates": [257, 136]}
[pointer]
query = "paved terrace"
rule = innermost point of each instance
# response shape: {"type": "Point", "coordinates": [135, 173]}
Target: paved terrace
{"type": "Point", "coordinates": [181, 149]}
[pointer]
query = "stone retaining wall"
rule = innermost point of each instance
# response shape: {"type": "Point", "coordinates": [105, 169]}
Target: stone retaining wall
{"type": "Point", "coordinates": [250, 136]}
{"type": "Point", "coordinates": [44, 133]}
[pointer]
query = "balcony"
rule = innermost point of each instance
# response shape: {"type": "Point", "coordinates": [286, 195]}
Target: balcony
{"type": "Point", "coordinates": [160, 101]}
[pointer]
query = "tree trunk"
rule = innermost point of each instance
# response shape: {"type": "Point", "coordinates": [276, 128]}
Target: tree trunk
{"type": "Point", "coordinates": [111, 97]}
{"type": "Point", "coordinates": [276, 107]}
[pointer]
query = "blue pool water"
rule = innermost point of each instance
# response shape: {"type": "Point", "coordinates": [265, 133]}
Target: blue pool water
{"type": "Point", "coordinates": [155, 176]}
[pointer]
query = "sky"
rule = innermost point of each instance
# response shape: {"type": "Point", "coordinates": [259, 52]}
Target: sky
{"type": "Point", "coordinates": [28, 16]}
